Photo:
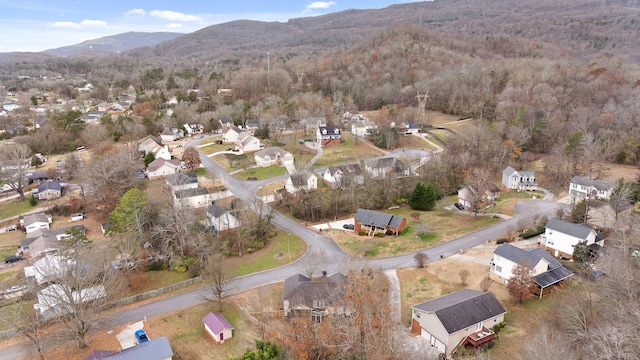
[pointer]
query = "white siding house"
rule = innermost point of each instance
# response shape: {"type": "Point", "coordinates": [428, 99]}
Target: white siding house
{"type": "Point", "coordinates": [560, 238]}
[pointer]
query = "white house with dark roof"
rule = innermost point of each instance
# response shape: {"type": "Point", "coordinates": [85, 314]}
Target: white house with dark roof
{"type": "Point", "coordinates": [328, 135]}
{"type": "Point", "coordinates": [196, 198]}
{"type": "Point", "coordinates": [372, 222]}
{"type": "Point", "coordinates": [225, 123]}
{"type": "Point", "coordinates": [182, 181]}
{"type": "Point", "coordinates": [518, 180]}
{"type": "Point", "coordinates": [45, 241]}
{"type": "Point", "coordinates": [303, 180]}
{"type": "Point", "coordinates": [49, 190]}
{"type": "Point", "coordinates": [168, 134]}
{"type": "Point", "coordinates": [154, 349]}
{"type": "Point", "coordinates": [232, 134]}
{"type": "Point", "coordinates": [161, 167]}
{"type": "Point", "coordinates": [560, 238]}
{"type": "Point", "coordinates": [343, 176]}
{"type": "Point", "coordinates": [582, 187]}
{"type": "Point", "coordinates": [544, 268]}
{"type": "Point", "coordinates": [221, 219]}
{"type": "Point", "coordinates": [248, 143]}
{"type": "Point", "coordinates": [217, 327]}
{"type": "Point", "coordinates": [457, 319]}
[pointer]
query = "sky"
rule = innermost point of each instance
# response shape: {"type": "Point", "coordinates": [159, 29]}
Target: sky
{"type": "Point", "coordinates": [37, 25]}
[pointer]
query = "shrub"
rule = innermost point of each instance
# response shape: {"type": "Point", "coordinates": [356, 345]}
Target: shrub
{"type": "Point", "coordinates": [157, 266]}
{"type": "Point", "coordinates": [33, 201]}
{"type": "Point", "coordinates": [502, 324]}
{"type": "Point", "coordinates": [502, 241]}
{"type": "Point", "coordinates": [496, 328]}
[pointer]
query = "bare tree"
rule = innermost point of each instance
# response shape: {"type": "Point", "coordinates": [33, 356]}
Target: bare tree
{"type": "Point", "coordinates": [83, 288]}
{"type": "Point", "coordinates": [464, 274]}
{"type": "Point", "coordinates": [219, 280]}
{"type": "Point", "coordinates": [485, 283]}
{"type": "Point", "coordinates": [311, 262]}
{"type": "Point", "coordinates": [14, 162]}
{"type": "Point", "coordinates": [28, 325]}
{"type": "Point", "coordinates": [174, 229]}
{"type": "Point", "coordinates": [421, 259]}
{"type": "Point", "coordinates": [479, 183]}
{"type": "Point", "coordinates": [546, 343]}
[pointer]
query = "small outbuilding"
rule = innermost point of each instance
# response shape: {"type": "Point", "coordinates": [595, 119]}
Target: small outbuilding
{"type": "Point", "coordinates": [217, 327]}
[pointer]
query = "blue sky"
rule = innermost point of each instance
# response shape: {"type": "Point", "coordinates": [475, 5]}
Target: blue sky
{"type": "Point", "coordinates": [36, 25]}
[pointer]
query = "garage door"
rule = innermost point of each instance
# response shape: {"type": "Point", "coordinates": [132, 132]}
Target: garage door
{"type": "Point", "coordinates": [440, 346]}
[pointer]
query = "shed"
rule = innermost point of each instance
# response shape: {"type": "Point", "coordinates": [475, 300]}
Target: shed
{"type": "Point", "coordinates": [217, 327]}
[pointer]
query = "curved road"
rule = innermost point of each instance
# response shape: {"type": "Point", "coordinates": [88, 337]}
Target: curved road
{"type": "Point", "coordinates": [336, 257]}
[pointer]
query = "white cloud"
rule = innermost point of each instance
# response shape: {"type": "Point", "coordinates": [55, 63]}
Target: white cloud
{"type": "Point", "coordinates": [320, 5]}
{"type": "Point", "coordinates": [173, 15]}
{"type": "Point", "coordinates": [174, 25]}
{"type": "Point", "coordinates": [80, 25]}
{"type": "Point", "coordinates": [93, 23]}
{"type": "Point", "coordinates": [135, 12]}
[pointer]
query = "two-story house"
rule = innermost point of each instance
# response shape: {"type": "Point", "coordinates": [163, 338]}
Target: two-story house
{"type": "Point", "coordinates": [302, 296]}
{"type": "Point", "coordinates": [328, 135]}
{"type": "Point", "coordinates": [560, 238]}
{"type": "Point", "coordinates": [518, 180]}
{"type": "Point", "coordinates": [582, 187]}
{"type": "Point", "coordinates": [303, 180]}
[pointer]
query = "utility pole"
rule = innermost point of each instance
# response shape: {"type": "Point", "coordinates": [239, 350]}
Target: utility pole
{"type": "Point", "coordinates": [300, 76]}
{"type": "Point", "coordinates": [422, 104]}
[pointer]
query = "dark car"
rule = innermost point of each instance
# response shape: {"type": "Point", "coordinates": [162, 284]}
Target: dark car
{"type": "Point", "coordinates": [252, 178]}
{"type": "Point", "coordinates": [12, 259]}
{"type": "Point", "coordinates": [141, 336]}
{"type": "Point", "coordinates": [348, 227]}
{"type": "Point", "coordinates": [459, 206]}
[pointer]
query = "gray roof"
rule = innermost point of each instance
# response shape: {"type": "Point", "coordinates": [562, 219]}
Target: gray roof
{"type": "Point", "coordinates": [508, 171]}
{"type": "Point", "coordinates": [216, 211]}
{"type": "Point", "coordinates": [463, 308]}
{"type": "Point", "coordinates": [300, 178]}
{"type": "Point", "coordinates": [577, 230]}
{"type": "Point", "coordinates": [180, 194]}
{"type": "Point", "coordinates": [254, 123]}
{"type": "Point", "coordinates": [598, 184]}
{"type": "Point", "coordinates": [330, 130]}
{"type": "Point", "coordinates": [300, 290]}
{"type": "Point", "coordinates": [32, 218]}
{"type": "Point", "coordinates": [378, 219]}
{"type": "Point", "coordinates": [517, 255]}
{"type": "Point", "coordinates": [182, 178]}
{"type": "Point", "coordinates": [272, 152]}
{"type": "Point", "coordinates": [553, 276]}
{"type": "Point", "coordinates": [154, 349]}
{"type": "Point", "coordinates": [49, 185]}
{"type": "Point", "coordinates": [386, 162]}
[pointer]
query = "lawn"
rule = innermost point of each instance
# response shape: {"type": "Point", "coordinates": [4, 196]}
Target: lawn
{"type": "Point", "coordinates": [214, 148]}
{"type": "Point", "coordinates": [443, 225]}
{"type": "Point", "coordinates": [275, 254]}
{"type": "Point", "coordinates": [414, 142]}
{"type": "Point", "coordinates": [348, 151]}
{"type": "Point", "coordinates": [14, 207]}
{"type": "Point", "coordinates": [261, 172]}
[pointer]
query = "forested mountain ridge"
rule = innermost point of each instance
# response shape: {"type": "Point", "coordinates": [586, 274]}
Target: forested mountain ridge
{"type": "Point", "coordinates": [115, 43]}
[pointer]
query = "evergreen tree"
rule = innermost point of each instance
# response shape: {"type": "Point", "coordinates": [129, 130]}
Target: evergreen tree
{"type": "Point", "coordinates": [430, 197]}
{"type": "Point", "coordinates": [148, 159]}
{"type": "Point", "coordinates": [419, 198]}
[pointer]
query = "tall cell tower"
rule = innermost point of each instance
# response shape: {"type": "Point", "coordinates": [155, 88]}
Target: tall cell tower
{"type": "Point", "coordinates": [422, 105]}
{"type": "Point", "coordinates": [300, 76]}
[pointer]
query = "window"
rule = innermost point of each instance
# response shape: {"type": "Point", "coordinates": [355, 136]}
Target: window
{"type": "Point", "coordinates": [498, 268]}
{"type": "Point", "coordinates": [479, 326]}
{"type": "Point", "coordinates": [318, 303]}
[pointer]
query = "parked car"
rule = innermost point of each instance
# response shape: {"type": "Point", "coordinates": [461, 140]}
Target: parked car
{"type": "Point", "coordinates": [348, 227]}
{"type": "Point", "coordinates": [459, 206]}
{"type": "Point", "coordinates": [252, 178]}
{"type": "Point", "coordinates": [141, 336]}
{"type": "Point", "coordinates": [11, 228]}
{"type": "Point", "coordinates": [12, 259]}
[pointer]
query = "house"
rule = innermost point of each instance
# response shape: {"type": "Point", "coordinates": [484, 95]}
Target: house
{"type": "Point", "coordinates": [232, 135]}
{"type": "Point", "coordinates": [49, 190]}
{"type": "Point", "coordinates": [273, 155]}
{"type": "Point", "coordinates": [469, 197]}
{"type": "Point", "coordinates": [196, 198]}
{"type": "Point", "coordinates": [252, 125]}
{"type": "Point", "coordinates": [220, 219]}
{"type": "Point", "coordinates": [154, 349]}
{"type": "Point", "coordinates": [148, 143]}
{"type": "Point", "coordinates": [48, 269]}
{"type": "Point", "coordinates": [53, 298]}
{"type": "Point", "coordinates": [40, 122]}
{"type": "Point", "coordinates": [217, 327]}
{"type": "Point", "coordinates": [303, 180]}
{"type": "Point", "coordinates": [182, 181]}
{"type": "Point", "coordinates": [343, 176]}
{"type": "Point", "coordinates": [518, 180]}
{"type": "Point", "coordinates": [373, 222]}
{"type": "Point", "coordinates": [380, 168]}
{"type": "Point", "coordinates": [226, 123]}
{"type": "Point", "coordinates": [34, 222]}
{"type": "Point", "coordinates": [248, 143]}
{"type": "Point", "coordinates": [328, 135]}
{"type": "Point", "coordinates": [103, 106]}
{"type": "Point", "coordinates": [161, 167]}
{"type": "Point", "coordinates": [302, 296]}
{"type": "Point", "coordinates": [193, 128]}
{"type": "Point", "coordinates": [544, 268]}
{"type": "Point", "coordinates": [408, 127]}
{"type": "Point", "coordinates": [582, 187]}
{"type": "Point", "coordinates": [45, 241]}
{"type": "Point", "coordinates": [168, 135]}
{"type": "Point", "coordinates": [460, 318]}
{"type": "Point", "coordinates": [363, 128]}
{"type": "Point", "coordinates": [560, 237]}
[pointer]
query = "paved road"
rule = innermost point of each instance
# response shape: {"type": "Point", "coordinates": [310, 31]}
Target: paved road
{"type": "Point", "coordinates": [336, 257]}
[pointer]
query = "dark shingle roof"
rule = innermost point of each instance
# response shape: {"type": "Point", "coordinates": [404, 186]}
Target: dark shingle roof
{"type": "Point", "coordinates": [578, 230]}
{"type": "Point", "coordinates": [300, 178]}
{"type": "Point", "coordinates": [300, 290]}
{"type": "Point", "coordinates": [517, 255]}
{"type": "Point", "coordinates": [49, 185]}
{"type": "Point", "coordinates": [584, 181]}
{"type": "Point", "coordinates": [377, 219]}
{"type": "Point", "coordinates": [180, 194]}
{"type": "Point", "coordinates": [216, 211]}
{"type": "Point", "coordinates": [463, 308]}
{"type": "Point", "coordinates": [157, 348]}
